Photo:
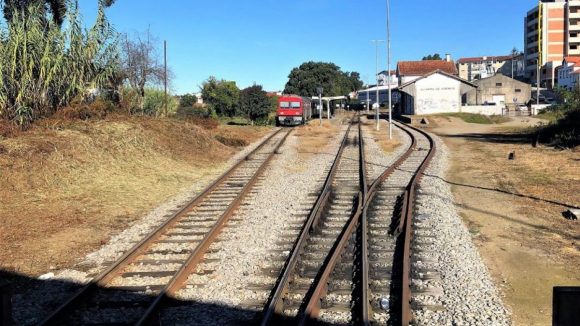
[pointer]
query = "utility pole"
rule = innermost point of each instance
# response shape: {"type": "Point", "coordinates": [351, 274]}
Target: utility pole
{"type": "Point", "coordinates": [377, 79]}
{"type": "Point", "coordinates": [165, 77]}
{"type": "Point", "coordinates": [389, 72]}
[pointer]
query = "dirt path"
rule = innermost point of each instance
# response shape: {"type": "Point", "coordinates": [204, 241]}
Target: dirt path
{"type": "Point", "coordinates": [526, 243]}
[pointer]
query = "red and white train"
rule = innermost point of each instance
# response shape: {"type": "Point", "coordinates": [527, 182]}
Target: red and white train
{"type": "Point", "coordinates": [293, 110]}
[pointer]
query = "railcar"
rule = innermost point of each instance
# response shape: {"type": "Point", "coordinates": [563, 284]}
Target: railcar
{"type": "Point", "coordinates": [293, 110]}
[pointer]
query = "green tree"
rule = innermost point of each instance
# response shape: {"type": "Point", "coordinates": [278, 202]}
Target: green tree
{"type": "Point", "coordinates": [305, 79]}
{"type": "Point", "coordinates": [154, 103]}
{"type": "Point", "coordinates": [223, 96]}
{"type": "Point", "coordinates": [187, 100]}
{"type": "Point", "coordinates": [254, 103]}
{"type": "Point", "coordinates": [436, 56]}
{"type": "Point", "coordinates": [273, 103]}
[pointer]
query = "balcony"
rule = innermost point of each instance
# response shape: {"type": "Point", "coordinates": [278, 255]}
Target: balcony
{"type": "Point", "coordinates": [574, 15]}
{"type": "Point", "coordinates": [532, 22]}
{"type": "Point", "coordinates": [574, 28]}
{"type": "Point", "coordinates": [574, 40]}
{"type": "Point", "coordinates": [532, 33]}
{"type": "Point", "coordinates": [533, 44]}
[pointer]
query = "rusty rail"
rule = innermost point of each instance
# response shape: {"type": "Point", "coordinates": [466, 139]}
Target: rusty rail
{"type": "Point", "coordinates": [197, 255]}
{"type": "Point", "coordinates": [275, 305]}
{"type": "Point", "coordinates": [408, 211]}
{"type": "Point", "coordinates": [313, 306]}
{"type": "Point", "coordinates": [108, 274]}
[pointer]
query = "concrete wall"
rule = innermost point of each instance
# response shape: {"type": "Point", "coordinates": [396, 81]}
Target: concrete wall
{"type": "Point", "coordinates": [482, 109]}
{"type": "Point", "coordinates": [488, 87]}
{"type": "Point", "coordinates": [495, 109]}
{"type": "Point", "coordinates": [437, 94]}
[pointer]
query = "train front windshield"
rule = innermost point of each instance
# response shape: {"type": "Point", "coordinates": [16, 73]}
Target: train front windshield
{"type": "Point", "coordinates": [289, 105]}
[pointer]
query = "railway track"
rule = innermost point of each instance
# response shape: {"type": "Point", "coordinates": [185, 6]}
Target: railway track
{"type": "Point", "coordinates": [355, 265]}
{"type": "Point", "coordinates": [340, 199]}
{"type": "Point", "coordinates": [134, 287]}
{"type": "Point", "coordinates": [350, 259]}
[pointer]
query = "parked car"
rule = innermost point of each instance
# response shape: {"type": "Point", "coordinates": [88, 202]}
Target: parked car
{"type": "Point", "coordinates": [521, 107]}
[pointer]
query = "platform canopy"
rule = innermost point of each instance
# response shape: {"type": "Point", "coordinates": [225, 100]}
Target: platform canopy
{"type": "Point", "coordinates": [327, 99]}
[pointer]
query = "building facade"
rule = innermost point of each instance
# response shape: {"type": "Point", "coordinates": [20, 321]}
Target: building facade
{"type": "Point", "coordinates": [436, 92]}
{"type": "Point", "coordinates": [487, 66]}
{"type": "Point", "coordinates": [552, 32]}
{"type": "Point", "coordinates": [569, 72]}
{"type": "Point", "coordinates": [498, 90]}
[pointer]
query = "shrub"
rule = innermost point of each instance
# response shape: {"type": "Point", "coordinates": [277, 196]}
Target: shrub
{"type": "Point", "coordinates": [189, 112]}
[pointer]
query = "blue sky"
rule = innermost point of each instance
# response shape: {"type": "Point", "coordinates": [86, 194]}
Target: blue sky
{"type": "Point", "coordinates": [261, 41]}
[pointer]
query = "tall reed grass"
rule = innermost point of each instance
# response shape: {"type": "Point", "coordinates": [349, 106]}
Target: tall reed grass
{"type": "Point", "coordinates": [43, 66]}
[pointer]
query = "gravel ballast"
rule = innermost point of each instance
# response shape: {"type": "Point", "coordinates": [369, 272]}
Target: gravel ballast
{"type": "Point", "coordinates": [469, 295]}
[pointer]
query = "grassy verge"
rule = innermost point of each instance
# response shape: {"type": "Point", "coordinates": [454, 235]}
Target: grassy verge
{"type": "Point", "coordinates": [547, 115]}
{"type": "Point", "coordinates": [476, 118]}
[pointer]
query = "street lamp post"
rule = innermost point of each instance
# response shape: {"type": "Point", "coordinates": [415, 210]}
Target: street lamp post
{"type": "Point", "coordinates": [377, 79]}
{"type": "Point", "coordinates": [389, 71]}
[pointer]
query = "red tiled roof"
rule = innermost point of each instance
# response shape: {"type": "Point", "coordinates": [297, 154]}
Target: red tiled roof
{"type": "Point", "coordinates": [494, 58]}
{"type": "Point", "coordinates": [572, 59]}
{"type": "Point", "coordinates": [425, 67]}
{"type": "Point", "coordinates": [437, 72]}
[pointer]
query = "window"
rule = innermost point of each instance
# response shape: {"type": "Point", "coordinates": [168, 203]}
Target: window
{"type": "Point", "coordinates": [295, 105]}
{"type": "Point", "coordinates": [573, 47]}
{"type": "Point", "coordinates": [498, 84]}
{"type": "Point", "coordinates": [573, 34]}
{"type": "Point", "coordinates": [518, 90]}
{"type": "Point", "coordinates": [284, 105]}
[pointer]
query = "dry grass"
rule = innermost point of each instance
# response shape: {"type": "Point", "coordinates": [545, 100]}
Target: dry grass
{"type": "Point", "coordinates": [381, 137]}
{"type": "Point", "coordinates": [314, 138]}
{"type": "Point", "coordinates": [85, 180]}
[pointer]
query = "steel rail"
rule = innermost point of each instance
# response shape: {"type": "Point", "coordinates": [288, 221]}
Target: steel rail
{"type": "Point", "coordinates": [276, 304]}
{"type": "Point", "coordinates": [109, 273]}
{"type": "Point", "coordinates": [313, 307]}
{"type": "Point", "coordinates": [366, 292]}
{"type": "Point", "coordinates": [408, 212]}
{"type": "Point", "coordinates": [197, 255]}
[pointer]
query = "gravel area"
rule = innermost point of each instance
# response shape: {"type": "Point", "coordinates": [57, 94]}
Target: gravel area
{"type": "Point", "coordinates": [28, 307]}
{"type": "Point", "coordinates": [469, 295]}
{"type": "Point", "coordinates": [284, 189]}
{"type": "Point", "coordinates": [378, 161]}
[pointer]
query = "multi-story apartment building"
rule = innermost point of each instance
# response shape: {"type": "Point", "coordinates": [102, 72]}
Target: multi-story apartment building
{"type": "Point", "coordinates": [483, 67]}
{"type": "Point", "coordinates": [552, 31]}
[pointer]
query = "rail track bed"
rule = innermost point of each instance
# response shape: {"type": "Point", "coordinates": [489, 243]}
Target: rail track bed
{"type": "Point", "coordinates": [132, 289]}
{"type": "Point", "coordinates": [316, 241]}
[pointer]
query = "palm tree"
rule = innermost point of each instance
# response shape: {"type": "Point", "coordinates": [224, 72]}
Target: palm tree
{"type": "Point", "coordinates": [56, 7]}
